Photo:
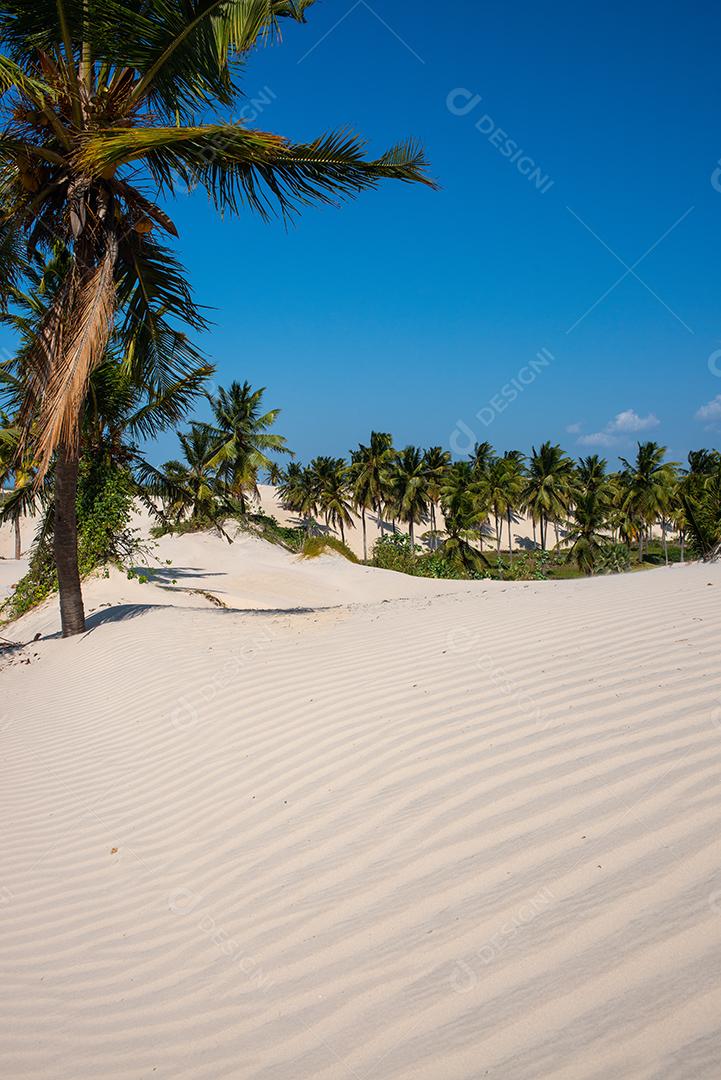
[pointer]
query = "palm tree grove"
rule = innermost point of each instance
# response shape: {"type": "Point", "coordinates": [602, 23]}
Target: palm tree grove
{"type": "Point", "coordinates": [360, 540]}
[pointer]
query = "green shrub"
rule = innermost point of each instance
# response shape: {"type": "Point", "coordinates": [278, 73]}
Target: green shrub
{"type": "Point", "coordinates": [394, 552]}
{"type": "Point", "coordinates": [268, 528]}
{"type": "Point", "coordinates": [104, 505]}
{"type": "Point", "coordinates": [613, 559]}
{"type": "Point", "coordinates": [434, 565]}
{"type": "Point", "coordinates": [314, 546]}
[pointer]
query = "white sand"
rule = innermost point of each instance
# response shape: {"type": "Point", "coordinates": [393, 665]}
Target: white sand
{"type": "Point", "coordinates": [473, 831]}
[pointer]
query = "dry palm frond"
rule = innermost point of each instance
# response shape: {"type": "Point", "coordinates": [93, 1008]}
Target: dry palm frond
{"type": "Point", "coordinates": [70, 346]}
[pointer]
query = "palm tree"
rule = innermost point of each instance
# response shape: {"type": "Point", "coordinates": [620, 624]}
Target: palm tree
{"type": "Point", "coordinates": [189, 486]}
{"type": "Point", "coordinates": [547, 493]}
{"type": "Point", "coordinates": [702, 462]}
{"type": "Point", "coordinates": [332, 487]}
{"type": "Point", "coordinates": [649, 482]}
{"type": "Point", "coordinates": [243, 439]}
{"type": "Point", "coordinates": [495, 483]}
{"type": "Point", "coordinates": [481, 458]}
{"type": "Point", "coordinates": [100, 105]}
{"type": "Point", "coordinates": [513, 483]}
{"type": "Point", "coordinates": [273, 474]}
{"type": "Point", "coordinates": [410, 487]}
{"type": "Point", "coordinates": [587, 532]}
{"type": "Point", "coordinates": [298, 493]}
{"type": "Point", "coordinates": [701, 501]}
{"type": "Point", "coordinates": [22, 471]}
{"type": "Point", "coordinates": [369, 471]}
{"type": "Point", "coordinates": [436, 461]}
{"type": "Point", "coordinates": [459, 502]}
{"type": "Point", "coordinates": [591, 473]}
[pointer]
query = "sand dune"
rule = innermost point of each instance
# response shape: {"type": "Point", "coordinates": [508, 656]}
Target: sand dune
{"type": "Point", "coordinates": [472, 831]}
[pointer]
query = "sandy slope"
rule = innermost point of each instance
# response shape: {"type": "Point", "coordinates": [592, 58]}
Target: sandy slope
{"type": "Point", "coordinates": [473, 831]}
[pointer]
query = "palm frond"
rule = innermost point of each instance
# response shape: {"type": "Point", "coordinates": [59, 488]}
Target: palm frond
{"type": "Point", "coordinates": [265, 172]}
{"type": "Point", "coordinates": [13, 77]}
{"type": "Point", "coordinates": [170, 405]}
{"type": "Point", "coordinates": [185, 55]}
{"type": "Point", "coordinates": [69, 346]}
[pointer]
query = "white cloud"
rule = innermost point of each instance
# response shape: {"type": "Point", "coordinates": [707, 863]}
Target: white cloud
{"type": "Point", "coordinates": [624, 423]}
{"type": "Point", "coordinates": [598, 438]}
{"type": "Point", "coordinates": [574, 429]}
{"type": "Point", "coordinates": [711, 410]}
{"type": "Point", "coordinates": [630, 421]}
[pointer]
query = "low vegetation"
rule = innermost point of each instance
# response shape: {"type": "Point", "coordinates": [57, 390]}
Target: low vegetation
{"type": "Point", "coordinates": [313, 546]}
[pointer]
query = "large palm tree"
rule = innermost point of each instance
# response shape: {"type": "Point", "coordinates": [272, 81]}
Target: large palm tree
{"type": "Point", "coordinates": [496, 491]}
{"type": "Point", "coordinates": [513, 482]}
{"type": "Point", "coordinates": [298, 493]}
{"type": "Point", "coordinates": [436, 461]}
{"type": "Point", "coordinates": [460, 505]}
{"type": "Point", "coordinates": [369, 472]}
{"type": "Point", "coordinates": [189, 486]}
{"type": "Point", "coordinates": [410, 487]}
{"type": "Point", "coordinates": [591, 473]}
{"type": "Point", "coordinates": [589, 520]}
{"type": "Point", "coordinates": [100, 102]}
{"type": "Point", "coordinates": [481, 457]}
{"type": "Point", "coordinates": [331, 477]}
{"type": "Point", "coordinates": [548, 490]}
{"type": "Point", "coordinates": [241, 429]}
{"type": "Point", "coordinates": [649, 483]}
{"type": "Point", "coordinates": [701, 501]}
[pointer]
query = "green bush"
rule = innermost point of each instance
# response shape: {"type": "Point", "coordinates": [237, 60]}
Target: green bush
{"type": "Point", "coordinates": [314, 546]}
{"type": "Point", "coordinates": [434, 565]}
{"type": "Point", "coordinates": [104, 505]}
{"type": "Point", "coordinates": [394, 552]}
{"type": "Point", "coordinates": [613, 559]}
{"type": "Point", "coordinates": [268, 528]}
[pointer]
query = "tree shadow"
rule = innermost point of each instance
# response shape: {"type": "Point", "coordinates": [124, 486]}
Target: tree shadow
{"type": "Point", "coordinates": [168, 574]}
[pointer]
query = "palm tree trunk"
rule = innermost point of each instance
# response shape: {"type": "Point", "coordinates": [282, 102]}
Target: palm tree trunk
{"type": "Point", "coordinates": [665, 540]}
{"type": "Point", "coordinates": [65, 541]}
{"type": "Point", "coordinates": [18, 539]}
{"type": "Point", "coordinates": [411, 534]}
{"type": "Point", "coordinates": [682, 539]}
{"type": "Point", "coordinates": [498, 536]}
{"type": "Point", "coordinates": [510, 540]}
{"type": "Point", "coordinates": [342, 532]}
{"type": "Point", "coordinates": [365, 544]}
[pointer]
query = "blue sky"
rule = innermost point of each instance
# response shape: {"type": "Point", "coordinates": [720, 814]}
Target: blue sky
{"type": "Point", "coordinates": [411, 310]}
